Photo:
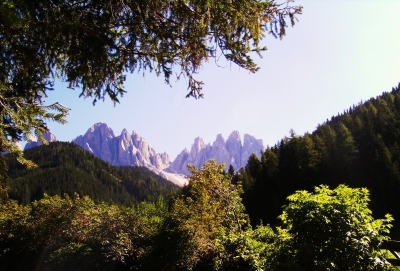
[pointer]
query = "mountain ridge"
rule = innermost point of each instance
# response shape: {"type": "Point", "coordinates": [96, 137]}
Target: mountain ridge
{"type": "Point", "coordinates": [231, 152]}
{"type": "Point", "coordinates": [133, 150]}
{"type": "Point", "coordinates": [125, 150]}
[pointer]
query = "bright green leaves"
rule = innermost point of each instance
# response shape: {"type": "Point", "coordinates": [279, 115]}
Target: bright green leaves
{"type": "Point", "coordinates": [250, 250]}
{"type": "Point", "coordinates": [333, 230]}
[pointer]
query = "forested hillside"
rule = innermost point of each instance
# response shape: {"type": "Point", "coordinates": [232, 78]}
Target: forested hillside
{"type": "Point", "coordinates": [359, 148]}
{"type": "Point", "coordinates": [204, 228]}
{"type": "Point", "coordinates": [67, 168]}
{"type": "Point", "coordinates": [207, 225]}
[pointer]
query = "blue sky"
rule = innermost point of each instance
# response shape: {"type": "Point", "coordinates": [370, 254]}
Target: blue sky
{"type": "Point", "coordinates": [340, 52]}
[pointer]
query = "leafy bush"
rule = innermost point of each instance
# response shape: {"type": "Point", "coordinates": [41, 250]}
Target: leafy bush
{"type": "Point", "coordinates": [331, 230]}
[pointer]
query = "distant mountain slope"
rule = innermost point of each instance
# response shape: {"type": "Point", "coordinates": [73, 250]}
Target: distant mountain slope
{"type": "Point", "coordinates": [125, 150]}
{"type": "Point", "coordinates": [131, 149]}
{"type": "Point", "coordinates": [360, 148]}
{"type": "Point", "coordinates": [230, 152]}
{"type": "Point", "coordinates": [67, 168]}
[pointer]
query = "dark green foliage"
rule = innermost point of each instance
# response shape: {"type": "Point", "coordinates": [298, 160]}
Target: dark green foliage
{"type": "Point", "coordinates": [4, 188]}
{"type": "Point", "coordinates": [231, 171]}
{"type": "Point", "coordinates": [243, 178]}
{"type": "Point", "coordinates": [359, 148]}
{"type": "Point", "coordinates": [91, 44]}
{"type": "Point", "coordinates": [67, 168]}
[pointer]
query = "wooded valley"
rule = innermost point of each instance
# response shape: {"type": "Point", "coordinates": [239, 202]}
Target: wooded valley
{"type": "Point", "coordinates": [259, 218]}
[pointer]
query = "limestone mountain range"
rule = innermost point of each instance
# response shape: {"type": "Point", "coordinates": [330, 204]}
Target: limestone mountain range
{"type": "Point", "coordinates": [130, 149]}
{"type": "Point", "coordinates": [230, 152]}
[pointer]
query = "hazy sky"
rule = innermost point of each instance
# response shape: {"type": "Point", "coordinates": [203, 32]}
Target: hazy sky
{"type": "Point", "coordinates": [338, 54]}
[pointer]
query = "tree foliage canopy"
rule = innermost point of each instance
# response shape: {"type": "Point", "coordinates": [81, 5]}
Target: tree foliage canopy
{"type": "Point", "coordinates": [204, 228]}
{"type": "Point", "coordinates": [63, 233]}
{"type": "Point", "coordinates": [92, 44]}
{"type": "Point", "coordinates": [332, 230]}
{"type": "Point", "coordinates": [208, 207]}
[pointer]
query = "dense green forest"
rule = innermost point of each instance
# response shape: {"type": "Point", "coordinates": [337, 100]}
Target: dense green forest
{"type": "Point", "coordinates": [203, 228]}
{"type": "Point", "coordinates": [359, 148]}
{"type": "Point", "coordinates": [67, 168]}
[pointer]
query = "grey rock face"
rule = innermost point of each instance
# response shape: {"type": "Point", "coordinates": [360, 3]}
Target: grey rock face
{"type": "Point", "coordinates": [100, 141]}
{"type": "Point", "coordinates": [250, 145]}
{"type": "Point", "coordinates": [132, 149]}
{"type": "Point", "coordinates": [230, 152]}
{"type": "Point", "coordinates": [219, 151]}
{"type": "Point", "coordinates": [122, 150]}
{"type": "Point", "coordinates": [36, 142]}
{"type": "Point", "coordinates": [198, 154]}
{"type": "Point", "coordinates": [234, 148]}
{"type": "Point", "coordinates": [126, 150]}
{"type": "Point", "coordinates": [179, 165]}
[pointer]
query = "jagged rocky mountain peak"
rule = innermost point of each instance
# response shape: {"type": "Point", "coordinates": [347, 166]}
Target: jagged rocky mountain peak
{"type": "Point", "coordinates": [235, 136]}
{"type": "Point", "coordinates": [198, 143]}
{"type": "Point", "coordinates": [249, 139]}
{"type": "Point", "coordinates": [101, 128]}
{"type": "Point", "coordinates": [133, 149]}
{"type": "Point", "coordinates": [250, 145]}
{"type": "Point", "coordinates": [125, 150]}
{"type": "Point", "coordinates": [220, 140]}
{"type": "Point", "coordinates": [234, 148]}
{"type": "Point", "coordinates": [230, 152]}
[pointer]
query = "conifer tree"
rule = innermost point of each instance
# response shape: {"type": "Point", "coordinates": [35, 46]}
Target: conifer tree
{"type": "Point", "coordinates": [91, 45]}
